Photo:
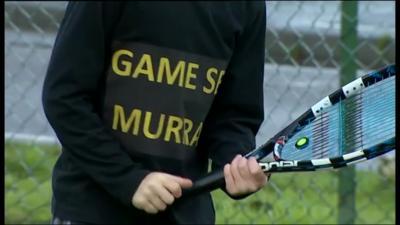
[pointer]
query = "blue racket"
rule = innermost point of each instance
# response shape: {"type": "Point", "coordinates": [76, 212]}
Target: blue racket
{"type": "Point", "coordinates": [351, 125]}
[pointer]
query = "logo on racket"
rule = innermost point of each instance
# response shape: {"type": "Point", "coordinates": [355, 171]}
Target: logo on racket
{"type": "Point", "coordinates": [301, 143]}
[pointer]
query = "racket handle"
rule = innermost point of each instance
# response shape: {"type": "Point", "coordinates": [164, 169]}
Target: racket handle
{"type": "Point", "coordinates": [206, 184]}
{"type": "Point", "coordinates": [217, 180]}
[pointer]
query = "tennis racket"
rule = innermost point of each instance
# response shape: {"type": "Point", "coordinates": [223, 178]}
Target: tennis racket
{"type": "Point", "coordinates": [351, 125]}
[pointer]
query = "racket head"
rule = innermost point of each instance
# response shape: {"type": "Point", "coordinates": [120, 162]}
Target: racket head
{"type": "Point", "coordinates": [355, 123]}
{"type": "Point", "coordinates": [280, 143]}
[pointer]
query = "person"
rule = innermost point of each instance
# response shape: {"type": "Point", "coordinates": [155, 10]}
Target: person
{"type": "Point", "coordinates": [141, 95]}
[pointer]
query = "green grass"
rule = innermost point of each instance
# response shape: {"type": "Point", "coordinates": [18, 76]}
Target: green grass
{"type": "Point", "coordinates": [306, 198]}
{"type": "Point", "coordinates": [27, 182]}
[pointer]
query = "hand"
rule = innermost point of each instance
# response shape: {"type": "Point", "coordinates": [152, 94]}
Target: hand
{"type": "Point", "coordinates": [157, 190]}
{"type": "Point", "coordinates": [244, 176]}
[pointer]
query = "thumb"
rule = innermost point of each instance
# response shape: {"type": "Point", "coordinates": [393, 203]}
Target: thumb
{"type": "Point", "coordinates": [183, 182]}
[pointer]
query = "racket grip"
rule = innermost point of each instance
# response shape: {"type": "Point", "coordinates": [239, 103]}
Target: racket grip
{"type": "Point", "coordinates": [206, 184]}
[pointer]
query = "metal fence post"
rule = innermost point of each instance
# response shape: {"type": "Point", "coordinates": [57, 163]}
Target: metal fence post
{"type": "Point", "coordinates": [348, 68]}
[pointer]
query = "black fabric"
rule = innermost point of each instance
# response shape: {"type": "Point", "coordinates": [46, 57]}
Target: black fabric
{"type": "Point", "coordinates": [137, 87]}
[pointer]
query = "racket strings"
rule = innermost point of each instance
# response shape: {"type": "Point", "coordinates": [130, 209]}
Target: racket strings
{"type": "Point", "coordinates": [357, 133]}
{"type": "Point", "coordinates": [355, 123]}
{"type": "Point", "coordinates": [377, 118]}
{"type": "Point", "coordinates": [321, 134]}
{"type": "Point", "coordinates": [368, 119]}
{"type": "Point", "coordinates": [323, 116]}
{"type": "Point", "coordinates": [355, 143]}
{"type": "Point", "coordinates": [322, 121]}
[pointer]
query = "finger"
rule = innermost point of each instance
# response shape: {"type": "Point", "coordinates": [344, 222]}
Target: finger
{"type": "Point", "coordinates": [239, 182]}
{"type": "Point", "coordinates": [164, 194]}
{"type": "Point", "coordinates": [183, 182]}
{"type": "Point", "coordinates": [234, 169]}
{"type": "Point", "coordinates": [256, 172]}
{"type": "Point", "coordinates": [139, 201]}
{"type": "Point", "coordinates": [237, 157]}
{"type": "Point", "coordinates": [157, 203]}
{"type": "Point", "coordinates": [246, 182]}
{"type": "Point", "coordinates": [150, 208]}
{"type": "Point", "coordinates": [173, 187]}
{"type": "Point", "coordinates": [229, 182]}
{"type": "Point", "coordinates": [244, 169]}
{"type": "Point", "coordinates": [254, 167]}
{"type": "Point", "coordinates": [258, 178]}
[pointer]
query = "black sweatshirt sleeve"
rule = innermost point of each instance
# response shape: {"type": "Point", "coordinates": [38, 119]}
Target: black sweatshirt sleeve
{"type": "Point", "coordinates": [237, 111]}
{"type": "Point", "coordinates": [70, 90]}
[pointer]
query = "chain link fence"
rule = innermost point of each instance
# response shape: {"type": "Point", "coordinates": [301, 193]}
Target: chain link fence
{"type": "Point", "coordinates": [304, 61]}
